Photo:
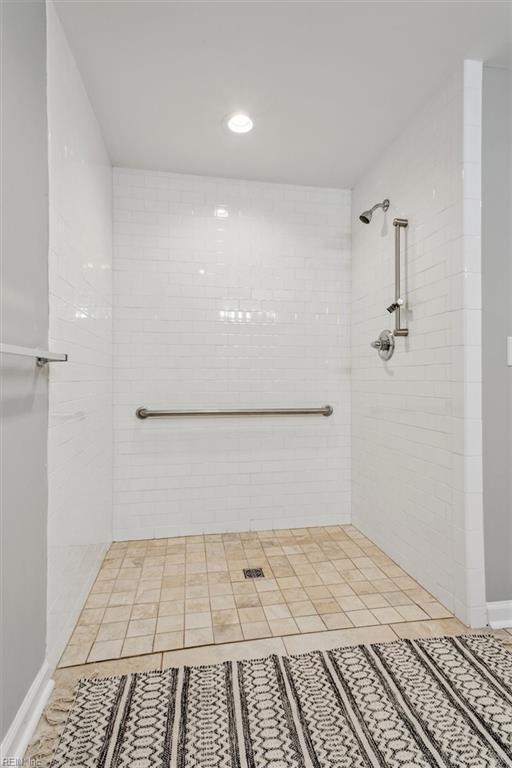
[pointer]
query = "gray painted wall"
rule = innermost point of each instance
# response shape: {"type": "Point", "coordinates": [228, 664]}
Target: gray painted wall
{"type": "Point", "coordinates": [24, 297]}
{"type": "Point", "coordinates": [497, 324]}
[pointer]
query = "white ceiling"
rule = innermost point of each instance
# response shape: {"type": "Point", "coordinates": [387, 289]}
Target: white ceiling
{"type": "Point", "coordinates": [328, 84]}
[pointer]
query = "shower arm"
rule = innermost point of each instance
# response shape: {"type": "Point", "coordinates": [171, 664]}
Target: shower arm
{"type": "Point", "coordinates": [396, 306]}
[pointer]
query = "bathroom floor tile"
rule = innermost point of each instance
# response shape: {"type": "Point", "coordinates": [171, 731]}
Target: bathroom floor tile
{"type": "Point", "coordinates": [323, 641]}
{"type": "Point", "coordinates": [113, 631]}
{"type": "Point", "coordinates": [435, 628]}
{"type": "Point", "coordinates": [337, 621]}
{"type": "Point", "coordinates": [105, 649]}
{"type": "Point", "coordinates": [168, 641]}
{"type": "Point", "coordinates": [141, 627]}
{"type": "Point", "coordinates": [362, 618]}
{"type": "Point", "coordinates": [133, 646]}
{"type": "Point", "coordinates": [280, 627]}
{"type": "Point", "coordinates": [229, 633]}
{"type": "Point", "coordinates": [75, 654]}
{"type": "Point", "coordinates": [387, 615]}
{"type": "Point", "coordinates": [310, 623]}
{"type": "Point", "coordinates": [414, 613]}
{"type": "Point", "coordinates": [68, 677]}
{"type": "Point", "coordinates": [215, 654]}
{"type": "Point", "coordinates": [255, 629]}
{"type": "Point", "coordinates": [201, 636]}
{"type": "Point", "coordinates": [190, 592]}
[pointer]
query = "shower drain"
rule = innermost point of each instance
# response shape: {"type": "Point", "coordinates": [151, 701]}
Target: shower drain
{"type": "Point", "coordinates": [254, 573]}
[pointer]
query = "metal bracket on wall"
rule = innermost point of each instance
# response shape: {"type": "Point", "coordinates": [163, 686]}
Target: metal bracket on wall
{"type": "Point", "coordinates": [42, 356]}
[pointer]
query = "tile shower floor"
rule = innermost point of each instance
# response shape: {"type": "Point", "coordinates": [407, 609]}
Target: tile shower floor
{"type": "Point", "coordinates": [167, 594]}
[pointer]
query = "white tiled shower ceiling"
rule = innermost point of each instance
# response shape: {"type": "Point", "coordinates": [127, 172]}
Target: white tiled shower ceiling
{"type": "Point", "coordinates": [229, 294]}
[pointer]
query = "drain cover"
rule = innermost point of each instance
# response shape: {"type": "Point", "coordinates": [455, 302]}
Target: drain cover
{"type": "Point", "coordinates": [254, 573]}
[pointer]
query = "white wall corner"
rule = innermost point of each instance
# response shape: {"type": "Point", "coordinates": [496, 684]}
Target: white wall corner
{"type": "Point", "coordinates": [499, 614]}
{"type": "Point", "coordinates": [64, 621]}
{"type": "Point", "coordinates": [476, 613]}
{"type": "Point", "coordinates": [80, 441]}
{"type": "Point", "coordinates": [17, 738]}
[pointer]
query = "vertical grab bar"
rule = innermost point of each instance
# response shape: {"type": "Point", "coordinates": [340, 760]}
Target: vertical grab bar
{"type": "Point", "coordinates": [398, 225]}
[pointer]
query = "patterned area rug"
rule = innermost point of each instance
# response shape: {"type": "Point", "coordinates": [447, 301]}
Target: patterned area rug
{"type": "Point", "coordinates": [437, 702]}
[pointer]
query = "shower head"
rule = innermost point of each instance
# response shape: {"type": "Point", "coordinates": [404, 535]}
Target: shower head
{"type": "Point", "coordinates": [366, 216]}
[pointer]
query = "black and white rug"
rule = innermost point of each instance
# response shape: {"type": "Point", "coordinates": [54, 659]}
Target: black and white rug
{"type": "Point", "coordinates": [436, 702]}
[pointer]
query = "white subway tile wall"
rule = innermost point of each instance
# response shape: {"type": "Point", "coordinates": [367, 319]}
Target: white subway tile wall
{"type": "Point", "coordinates": [416, 449]}
{"type": "Point", "coordinates": [80, 323]}
{"type": "Point", "coordinates": [229, 294]}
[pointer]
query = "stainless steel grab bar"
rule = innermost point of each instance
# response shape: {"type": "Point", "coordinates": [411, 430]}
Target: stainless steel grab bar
{"type": "Point", "coordinates": [42, 356]}
{"type": "Point", "coordinates": [326, 410]}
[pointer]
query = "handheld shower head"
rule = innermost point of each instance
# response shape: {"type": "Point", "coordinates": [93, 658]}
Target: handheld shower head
{"type": "Point", "coordinates": [366, 216]}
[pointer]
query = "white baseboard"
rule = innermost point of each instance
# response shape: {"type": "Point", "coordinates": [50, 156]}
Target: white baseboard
{"type": "Point", "coordinates": [25, 722]}
{"type": "Point", "coordinates": [499, 614]}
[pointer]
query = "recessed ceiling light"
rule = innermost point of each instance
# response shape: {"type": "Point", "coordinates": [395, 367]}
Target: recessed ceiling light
{"type": "Point", "coordinates": [239, 123]}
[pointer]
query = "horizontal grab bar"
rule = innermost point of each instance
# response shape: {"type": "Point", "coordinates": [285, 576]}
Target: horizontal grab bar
{"type": "Point", "coordinates": [326, 410]}
{"type": "Point", "coordinates": [42, 356]}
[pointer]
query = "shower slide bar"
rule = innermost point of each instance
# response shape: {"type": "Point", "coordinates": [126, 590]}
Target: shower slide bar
{"type": "Point", "coordinates": [42, 356]}
{"type": "Point", "coordinates": [326, 410]}
{"type": "Point", "coordinates": [398, 302]}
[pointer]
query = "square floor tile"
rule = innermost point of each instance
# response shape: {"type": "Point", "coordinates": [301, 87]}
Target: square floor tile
{"type": "Point", "coordinates": [362, 618]}
{"type": "Point", "coordinates": [278, 611]}
{"type": "Point", "coordinates": [302, 608]}
{"type": "Point", "coordinates": [141, 627]}
{"type": "Point", "coordinates": [133, 646]}
{"type": "Point", "coordinates": [115, 630]}
{"type": "Point", "coordinates": [282, 626]}
{"type": "Point", "coordinates": [337, 621]}
{"type": "Point", "coordinates": [168, 641]}
{"type": "Point", "coordinates": [248, 601]}
{"type": "Point", "coordinates": [229, 633]}
{"type": "Point", "coordinates": [435, 610]}
{"type": "Point", "coordinates": [198, 620]}
{"type": "Point", "coordinates": [351, 603]}
{"type": "Point", "coordinates": [374, 601]}
{"type": "Point", "coordinates": [224, 618]}
{"type": "Point", "coordinates": [172, 623]}
{"type": "Point", "coordinates": [222, 602]}
{"type": "Point", "coordinates": [310, 623]}
{"type": "Point", "coordinates": [106, 649]}
{"type": "Point", "coordinates": [255, 629]}
{"type": "Point", "coordinates": [327, 605]}
{"type": "Point", "coordinates": [75, 654]}
{"type": "Point", "coordinates": [411, 613]}
{"type": "Point", "coordinates": [202, 636]}
{"type": "Point", "coordinates": [145, 611]}
{"type": "Point", "coordinates": [387, 615]}
{"type": "Point", "coordinates": [171, 608]}
{"type": "Point", "coordinates": [249, 615]}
